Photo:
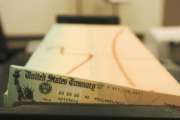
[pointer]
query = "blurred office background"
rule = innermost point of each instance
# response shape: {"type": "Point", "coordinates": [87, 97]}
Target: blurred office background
{"type": "Point", "coordinates": [25, 22]}
{"type": "Point", "coordinates": [35, 17]}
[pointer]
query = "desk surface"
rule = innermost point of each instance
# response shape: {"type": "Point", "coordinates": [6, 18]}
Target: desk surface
{"type": "Point", "coordinates": [74, 111]}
